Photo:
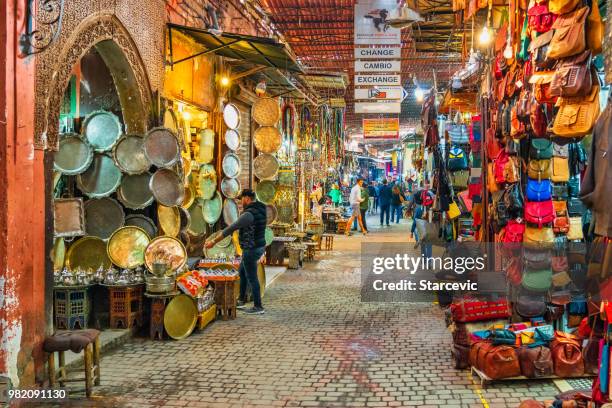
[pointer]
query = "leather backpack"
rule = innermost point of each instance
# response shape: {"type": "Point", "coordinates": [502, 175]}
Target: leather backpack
{"type": "Point", "coordinates": [538, 120]}
{"type": "Point", "coordinates": [528, 306]}
{"type": "Point", "coordinates": [572, 76]}
{"type": "Point", "coordinates": [536, 362]}
{"type": "Point", "coordinates": [577, 116]}
{"type": "Point", "coordinates": [539, 213]}
{"type": "Point", "coordinates": [540, 149]}
{"type": "Point", "coordinates": [538, 190]}
{"type": "Point", "coordinates": [457, 159]}
{"type": "Point", "coordinates": [560, 170]}
{"type": "Point", "coordinates": [537, 281]}
{"type": "Point", "coordinates": [539, 169]}
{"type": "Point", "coordinates": [561, 222]}
{"type": "Point", "coordinates": [500, 164]}
{"type": "Point", "coordinates": [570, 34]}
{"type": "Point", "coordinates": [512, 170]}
{"type": "Point", "coordinates": [513, 233]}
{"type": "Point", "coordinates": [567, 355]}
{"type": "Point", "coordinates": [514, 201]}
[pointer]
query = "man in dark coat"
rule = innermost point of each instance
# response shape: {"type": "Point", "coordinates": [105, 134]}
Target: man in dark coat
{"type": "Point", "coordinates": [384, 199]}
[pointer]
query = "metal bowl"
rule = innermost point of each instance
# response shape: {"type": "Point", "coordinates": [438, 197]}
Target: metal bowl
{"type": "Point", "coordinates": [230, 187]}
{"type": "Point", "coordinates": [159, 284]}
{"type": "Point", "coordinates": [231, 116]}
{"type": "Point", "coordinates": [232, 139]}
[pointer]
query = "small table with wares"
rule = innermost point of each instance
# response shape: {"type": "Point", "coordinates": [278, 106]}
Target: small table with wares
{"type": "Point", "coordinates": [158, 306]}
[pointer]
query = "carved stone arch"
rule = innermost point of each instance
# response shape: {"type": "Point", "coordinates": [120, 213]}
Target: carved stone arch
{"type": "Point", "coordinates": [114, 44]}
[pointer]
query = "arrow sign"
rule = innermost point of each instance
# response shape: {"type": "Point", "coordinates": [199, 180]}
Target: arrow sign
{"type": "Point", "coordinates": [404, 94]}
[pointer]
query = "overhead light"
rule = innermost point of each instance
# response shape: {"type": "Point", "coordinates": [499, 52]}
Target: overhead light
{"type": "Point", "coordinates": [485, 36]}
{"type": "Point", "coordinates": [225, 81]}
{"type": "Point", "coordinates": [419, 94]}
{"type": "Point", "coordinates": [186, 115]}
{"type": "Point", "coordinates": [508, 52]}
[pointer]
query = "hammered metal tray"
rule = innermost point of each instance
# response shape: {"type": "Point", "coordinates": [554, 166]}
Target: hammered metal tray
{"type": "Point", "coordinates": [230, 187]}
{"type": "Point", "coordinates": [167, 250]}
{"type": "Point", "coordinates": [206, 153]}
{"type": "Point", "coordinates": [207, 181]}
{"type": "Point", "coordinates": [134, 191]}
{"type": "Point", "coordinates": [103, 216]}
{"type": "Point", "coordinates": [190, 196]}
{"type": "Point", "coordinates": [230, 211]}
{"type": "Point", "coordinates": [58, 254]}
{"type": "Point", "coordinates": [88, 253]}
{"type": "Point", "coordinates": [266, 191]}
{"type": "Point", "coordinates": [102, 130]}
{"type": "Point", "coordinates": [232, 139]}
{"type": "Point", "coordinates": [162, 147]}
{"type": "Point", "coordinates": [231, 116]}
{"type": "Point", "coordinates": [267, 139]}
{"type": "Point", "coordinates": [266, 112]}
{"type": "Point", "coordinates": [129, 155]}
{"type": "Point", "coordinates": [142, 221]}
{"type": "Point", "coordinates": [126, 247]}
{"type": "Point", "coordinates": [211, 209]}
{"type": "Point", "coordinates": [101, 178]}
{"type": "Point", "coordinates": [231, 165]}
{"type": "Point", "coordinates": [220, 252]}
{"type": "Point", "coordinates": [169, 219]}
{"type": "Point", "coordinates": [68, 217]}
{"type": "Point", "coordinates": [198, 224]}
{"type": "Point", "coordinates": [269, 235]}
{"type": "Point", "coordinates": [180, 317]}
{"type": "Point", "coordinates": [265, 166]}
{"type": "Point", "coordinates": [74, 155]}
{"type": "Point", "coordinates": [271, 214]}
{"type": "Point", "coordinates": [167, 187]}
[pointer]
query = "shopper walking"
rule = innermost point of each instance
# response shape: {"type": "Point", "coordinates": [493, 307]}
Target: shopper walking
{"type": "Point", "coordinates": [363, 207]}
{"type": "Point", "coordinates": [355, 201]}
{"type": "Point", "coordinates": [251, 226]}
{"type": "Point", "coordinates": [335, 195]}
{"type": "Point", "coordinates": [384, 200]}
{"type": "Point", "coordinates": [397, 199]}
{"type": "Point", "coordinates": [372, 197]}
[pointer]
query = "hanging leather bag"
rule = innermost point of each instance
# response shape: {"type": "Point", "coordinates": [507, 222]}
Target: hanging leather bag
{"type": "Point", "coordinates": [570, 35]}
{"type": "Point", "coordinates": [540, 149]}
{"type": "Point", "coordinates": [492, 185]}
{"type": "Point", "coordinates": [538, 120]}
{"type": "Point", "coordinates": [541, 82]}
{"type": "Point", "coordinates": [539, 213]}
{"type": "Point", "coordinates": [539, 48]}
{"type": "Point", "coordinates": [560, 170]}
{"type": "Point", "coordinates": [574, 232]}
{"type": "Point", "coordinates": [528, 306]}
{"type": "Point", "coordinates": [538, 190]}
{"type": "Point", "coordinates": [576, 116]}
{"type": "Point", "coordinates": [572, 76]}
{"type": "Point", "coordinates": [562, 6]}
{"type": "Point", "coordinates": [539, 237]}
{"type": "Point", "coordinates": [594, 29]}
{"type": "Point", "coordinates": [513, 198]}
{"type": "Point", "coordinates": [539, 169]}
{"type": "Point", "coordinates": [535, 362]}
{"type": "Point", "coordinates": [567, 355]}
{"type": "Point", "coordinates": [513, 232]}
{"type": "Point", "coordinates": [539, 18]}
{"type": "Point", "coordinates": [560, 150]}
{"type": "Point", "coordinates": [512, 170]}
{"type": "Point", "coordinates": [561, 222]}
{"type": "Point", "coordinates": [537, 281]}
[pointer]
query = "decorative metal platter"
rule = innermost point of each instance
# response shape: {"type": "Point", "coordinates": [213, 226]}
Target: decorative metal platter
{"type": "Point", "coordinates": [271, 214]}
{"type": "Point", "coordinates": [186, 161]}
{"type": "Point", "coordinates": [126, 247]}
{"type": "Point", "coordinates": [231, 116]}
{"type": "Point", "coordinates": [230, 187]}
{"type": "Point", "coordinates": [266, 112]}
{"type": "Point", "coordinates": [232, 139]}
{"type": "Point", "coordinates": [102, 130]}
{"type": "Point", "coordinates": [162, 148]}
{"type": "Point", "coordinates": [134, 191]}
{"type": "Point", "coordinates": [103, 216]}
{"type": "Point", "coordinates": [185, 219]}
{"type": "Point", "coordinates": [167, 187]}
{"type": "Point", "coordinates": [266, 191]}
{"type": "Point", "coordinates": [206, 153]}
{"type": "Point", "coordinates": [142, 221]}
{"type": "Point", "coordinates": [74, 155]}
{"type": "Point", "coordinates": [168, 250]}
{"type": "Point", "coordinates": [212, 209]}
{"type": "Point", "coordinates": [129, 155]}
{"type": "Point", "coordinates": [88, 253]}
{"type": "Point", "coordinates": [269, 234]}
{"type": "Point", "coordinates": [225, 242]}
{"type": "Point", "coordinates": [198, 224]}
{"type": "Point", "coordinates": [230, 211]}
{"type": "Point", "coordinates": [58, 253]}
{"type": "Point", "coordinates": [180, 317]}
{"type": "Point", "coordinates": [101, 178]}
{"type": "Point", "coordinates": [207, 181]}
{"type": "Point", "coordinates": [265, 166]}
{"type": "Point", "coordinates": [267, 139]}
{"type": "Point", "coordinates": [169, 219]}
{"type": "Point", "coordinates": [231, 165]}
{"type": "Point", "coordinates": [68, 217]}
{"type": "Point", "coordinates": [170, 121]}
{"type": "Point", "coordinates": [189, 196]}
{"type": "Point", "coordinates": [218, 251]}
{"type": "Point", "coordinates": [286, 177]}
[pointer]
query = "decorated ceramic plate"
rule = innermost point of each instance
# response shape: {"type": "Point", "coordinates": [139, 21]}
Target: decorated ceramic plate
{"type": "Point", "coordinates": [102, 130]}
{"type": "Point", "coordinates": [212, 209]}
{"type": "Point", "coordinates": [74, 155]}
{"type": "Point", "coordinates": [219, 251]}
{"type": "Point", "coordinates": [167, 250]}
{"type": "Point", "coordinates": [126, 247]}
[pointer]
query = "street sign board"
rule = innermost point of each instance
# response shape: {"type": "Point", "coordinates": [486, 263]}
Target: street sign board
{"type": "Point", "coordinates": [380, 128]}
{"type": "Point", "coordinates": [379, 93]}
{"type": "Point", "coordinates": [378, 53]}
{"type": "Point", "coordinates": [378, 107]}
{"type": "Point", "coordinates": [371, 25]}
{"type": "Point", "coordinates": [378, 66]}
{"type": "Point", "coordinates": [362, 80]}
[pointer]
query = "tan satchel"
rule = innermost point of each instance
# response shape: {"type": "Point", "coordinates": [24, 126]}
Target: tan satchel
{"type": "Point", "coordinates": [576, 116]}
{"type": "Point", "coordinates": [539, 169]}
{"type": "Point", "coordinates": [575, 229]}
{"type": "Point", "coordinates": [570, 35]}
{"type": "Point", "coordinates": [594, 29]}
{"type": "Point", "coordinates": [560, 170]}
{"type": "Point", "coordinates": [562, 6]}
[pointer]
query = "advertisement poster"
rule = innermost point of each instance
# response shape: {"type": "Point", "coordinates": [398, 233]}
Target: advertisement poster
{"type": "Point", "coordinates": [381, 128]}
{"type": "Point", "coordinates": [371, 25]}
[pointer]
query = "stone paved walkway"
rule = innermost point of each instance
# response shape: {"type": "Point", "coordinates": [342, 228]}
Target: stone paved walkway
{"type": "Point", "coordinates": [317, 345]}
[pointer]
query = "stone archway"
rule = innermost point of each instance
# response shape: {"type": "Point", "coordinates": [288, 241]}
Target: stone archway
{"type": "Point", "coordinates": [111, 39]}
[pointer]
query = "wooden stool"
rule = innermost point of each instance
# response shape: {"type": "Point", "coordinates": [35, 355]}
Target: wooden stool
{"type": "Point", "coordinates": [329, 242]}
{"type": "Point", "coordinates": [76, 341]}
{"type": "Point", "coordinates": [126, 306]}
{"type": "Point", "coordinates": [341, 226]}
{"type": "Point", "coordinates": [156, 318]}
{"type": "Point", "coordinates": [310, 250]}
{"type": "Point", "coordinates": [225, 298]}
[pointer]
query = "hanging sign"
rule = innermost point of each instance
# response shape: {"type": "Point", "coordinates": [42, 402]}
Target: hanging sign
{"type": "Point", "coordinates": [378, 93]}
{"type": "Point", "coordinates": [378, 53]}
{"type": "Point", "coordinates": [378, 107]}
{"type": "Point", "coordinates": [380, 128]}
{"type": "Point", "coordinates": [378, 80]}
{"type": "Point", "coordinates": [371, 26]}
{"type": "Point", "coordinates": [378, 66]}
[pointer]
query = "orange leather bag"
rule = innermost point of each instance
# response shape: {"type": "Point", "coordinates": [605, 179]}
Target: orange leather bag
{"type": "Point", "coordinates": [567, 355]}
{"type": "Point", "coordinates": [576, 116]}
{"type": "Point", "coordinates": [570, 34]}
{"type": "Point", "coordinates": [498, 362]}
{"type": "Point", "coordinates": [594, 29]}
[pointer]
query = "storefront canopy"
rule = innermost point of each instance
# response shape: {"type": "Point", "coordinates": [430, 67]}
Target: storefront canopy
{"type": "Point", "coordinates": [257, 50]}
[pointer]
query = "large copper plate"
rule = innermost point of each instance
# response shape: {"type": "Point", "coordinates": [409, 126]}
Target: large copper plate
{"type": "Point", "coordinates": [232, 139]}
{"type": "Point", "coordinates": [169, 219]}
{"type": "Point", "coordinates": [180, 317]}
{"type": "Point", "coordinates": [198, 224]}
{"type": "Point", "coordinates": [74, 155]}
{"type": "Point", "coordinates": [267, 139]}
{"type": "Point", "coordinates": [168, 250]}
{"type": "Point", "coordinates": [68, 217]}
{"type": "Point", "coordinates": [167, 187]}
{"type": "Point", "coordinates": [265, 166]}
{"type": "Point", "coordinates": [269, 235]}
{"type": "Point", "coordinates": [266, 191]}
{"type": "Point", "coordinates": [103, 216]}
{"type": "Point", "coordinates": [101, 178]}
{"type": "Point", "coordinates": [126, 247]}
{"type": "Point", "coordinates": [266, 112]}
{"type": "Point", "coordinates": [231, 165]}
{"type": "Point", "coordinates": [207, 181]}
{"type": "Point", "coordinates": [271, 214]}
{"type": "Point", "coordinates": [134, 191]}
{"type": "Point", "coordinates": [102, 130]}
{"type": "Point", "coordinates": [88, 253]}
{"type": "Point", "coordinates": [211, 209]}
{"type": "Point", "coordinates": [142, 221]}
{"type": "Point", "coordinates": [162, 148]}
{"type": "Point", "coordinates": [230, 211]}
{"type": "Point", "coordinates": [230, 187]}
{"type": "Point", "coordinates": [206, 153]}
{"type": "Point", "coordinates": [129, 155]}
{"type": "Point", "coordinates": [231, 116]}
{"type": "Point", "coordinates": [58, 254]}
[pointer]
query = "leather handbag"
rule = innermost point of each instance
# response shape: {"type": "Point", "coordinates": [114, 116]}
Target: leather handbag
{"type": "Point", "coordinates": [513, 199]}
{"type": "Point", "coordinates": [457, 159]}
{"type": "Point", "coordinates": [575, 207]}
{"type": "Point", "coordinates": [594, 29]}
{"type": "Point", "coordinates": [536, 362]}
{"type": "Point", "coordinates": [460, 179]}
{"type": "Point", "coordinates": [538, 190]}
{"type": "Point", "coordinates": [492, 145]}
{"type": "Point", "coordinates": [559, 264]}
{"type": "Point", "coordinates": [539, 18]}
{"type": "Point", "coordinates": [540, 149]}
{"type": "Point", "coordinates": [576, 116]}
{"type": "Point", "coordinates": [560, 170]}
{"type": "Point", "coordinates": [523, 105]}
{"type": "Point", "coordinates": [539, 169]}
{"type": "Point", "coordinates": [536, 258]}
{"type": "Point", "coordinates": [538, 237]}
{"type": "Point", "coordinates": [492, 185]}
{"type": "Point", "coordinates": [513, 232]}
{"type": "Point", "coordinates": [528, 306]}
{"type": "Point", "coordinates": [512, 170]}
{"type": "Point", "coordinates": [575, 229]}
{"type": "Point", "coordinates": [537, 281]}
{"type": "Point", "coordinates": [572, 76]}
{"type": "Point", "coordinates": [560, 150]}
{"type": "Point", "coordinates": [539, 213]}
{"type": "Point", "coordinates": [562, 6]}
{"type": "Point", "coordinates": [560, 191]}
{"type": "Point", "coordinates": [570, 34]}
{"type": "Point", "coordinates": [538, 120]}
{"type": "Point", "coordinates": [567, 355]}
{"type": "Point", "coordinates": [453, 211]}
{"type": "Point", "coordinates": [518, 129]}
{"type": "Point", "coordinates": [561, 279]}
{"type": "Point", "coordinates": [561, 222]}
{"type": "Point", "coordinates": [498, 362]}
{"type": "Point", "coordinates": [573, 186]}
{"type": "Point", "coordinates": [539, 48]}
{"type": "Point", "coordinates": [542, 88]}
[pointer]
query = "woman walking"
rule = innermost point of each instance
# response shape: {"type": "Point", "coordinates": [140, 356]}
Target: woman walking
{"type": "Point", "coordinates": [397, 198]}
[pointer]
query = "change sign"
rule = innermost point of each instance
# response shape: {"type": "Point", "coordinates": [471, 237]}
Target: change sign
{"type": "Point", "coordinates": [379, 93]}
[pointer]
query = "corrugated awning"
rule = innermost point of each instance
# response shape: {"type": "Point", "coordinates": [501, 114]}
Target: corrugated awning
{"type": "Point", "coordinates": [257, 50]}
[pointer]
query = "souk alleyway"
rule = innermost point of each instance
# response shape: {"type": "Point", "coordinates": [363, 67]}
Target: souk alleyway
{"type": "Point", "coordinates": [317, 345]}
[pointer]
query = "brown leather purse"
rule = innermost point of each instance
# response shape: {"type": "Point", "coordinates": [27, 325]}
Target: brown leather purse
{"type": "Point", "coordinates": [567, 355]}
{"type": "Point", "coordinates": [576, 116]}
{"type": "Point", "coordinates": [498, 362]}
{"type": "Point", "coordinates": [570, 34]}
{"type": "Point", "coordinates": [539, 169]}
{"type": "Point", "coordinates": [573, 76]}
{"type": "Point", "coordinates": [535, 362]}
{"type": "Point", "coordinates": [541, 82]}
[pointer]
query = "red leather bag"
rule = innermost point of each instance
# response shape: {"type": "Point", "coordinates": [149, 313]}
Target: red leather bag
{"type": "Point", "coordinates": [500, 163]}
{"type": "Point", "coordinates": [539, 212]}
{"type": "Point", "coordinates": [513, 232]}
{"type": "Point", "coordinates": [539, 18]}
{"type": "Point", "coordinates": [538, 120]}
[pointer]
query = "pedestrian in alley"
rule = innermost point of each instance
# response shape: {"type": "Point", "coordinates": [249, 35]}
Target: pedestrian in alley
{"type": "Point", "coordinates": [251, 226]}
{"type": "Point", "coordinates": [363, 207]}
{"type": "Point", "coordinates": [335, 195]}
{"type": "Point", "coordinates": [397, 199]}
{"type": "Point", "coordinates": [355, 200]}
{"type": "Point", "coordinates": [372, 197]}
{"type": "Point", "coordinates": [384, 199]}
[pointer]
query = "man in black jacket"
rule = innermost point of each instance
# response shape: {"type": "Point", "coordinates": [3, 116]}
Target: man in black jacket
{"type": "Point", "coordinates": [251, 226]}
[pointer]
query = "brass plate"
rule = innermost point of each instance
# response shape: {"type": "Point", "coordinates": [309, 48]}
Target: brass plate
{"type": "Point", "coordinates": [207, 181]}
{"type": "Point", "coordinates": [168, 250]}
{"type": "Point", "coordinates": [271, 214]}
{"type": "Point", "coordinates": [189, 196]}
{"type": "Point", "coordinates": [211, 209]}
{"type": "Point", "coordinates": [267, 139]}
{"type": "Point", "coordinates": [266, 191]}
{"type": "Point", "coordinates": [206, 153]}
{"type": "Point", "coordinates": [232, 139]}
{"type": "Point", "coordinates": [101, 178]}
{"type": "Point", "coordinates": [230, 211]}
{"type": "Point", "coordinates": [58, 253]}
{"type": "Point", "coordinates": [162, 148]}
{"type": "Point", "coordinates": [74, 155]}
{"type": "Point", "coordinates": [142, 221]}
{"type": "Point", "coordinates": [269, 234]}
{"type": "Point", "coordinates": [126, 247]}
{"type": "Point", "coordinates": [180, 317]}
{"type": "Point", "coordinates": [230, 187]}
{"type": "Point", "coordinates": [185, 219]}
{"type": "Point", "coordinates": [102, 130]}
{"type": "Point", "coordinates": [231, 116]}
{"type": "Point", "coordinates": [88, 253]}
{"type": "Point", "coordinates": [68, 217]}
{"type": "Point", "coordinates": [231, 165]}
{"type": "Point", "coordinates": [134, 191]}
{"type": "Point", "coordinates": [167, 187]}
{"type": "Point", "coordinates": [169, 220]}
{"type": "Point", "coordinates": [265, 166]}
{"type": "Point", "coordinates": [103, 216]}
{"type": "Point", "coordinates": [129, 155]}
{"type": "Point", "coordinates": [266, 112]}
{"type": "Point", "coordinates": [198, 224]}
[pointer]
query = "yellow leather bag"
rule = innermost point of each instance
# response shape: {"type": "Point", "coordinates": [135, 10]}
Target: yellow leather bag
{"type": "Point", "coordinates": [575, 229]}
{"type": "Point", "coordinates": [491, 184]}
{"type": "Point", "coordinates": [594, 30]}
{"type": "Point", "coordinates": [560, 170]}
{"type": "Point", "coordinates": [539, 169]}
{"type": "Point", "coordinates": [562, 6]}
{"type": "Point", "coordinates": [576, 116]}
{"type": "Point", "coordinates": [453, 211]}
{"type": "Point", "coordinates": [535, 237]}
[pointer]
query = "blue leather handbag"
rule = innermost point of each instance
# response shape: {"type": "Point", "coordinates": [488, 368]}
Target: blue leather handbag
{"type": "Point", "coordinates": [538, 190]}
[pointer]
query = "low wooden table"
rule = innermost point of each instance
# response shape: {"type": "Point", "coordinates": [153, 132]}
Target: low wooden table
{"type": "Point", "coordinates": [328, 240]}
{"type": "Point", "coordinates": [310, 250]}
{"type": "Point", "coordinates": [341, 226]}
